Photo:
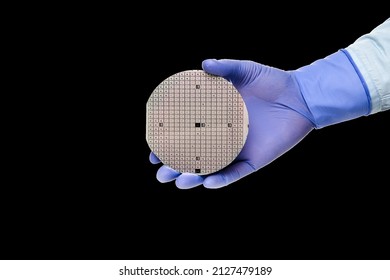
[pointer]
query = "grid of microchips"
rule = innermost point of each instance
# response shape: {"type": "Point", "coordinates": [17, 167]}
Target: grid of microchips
{"type": "Point", "coordinates": [196, 122]}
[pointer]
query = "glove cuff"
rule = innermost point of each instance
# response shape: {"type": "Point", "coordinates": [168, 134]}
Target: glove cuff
{"type": "Point", "coordinates": [333, 89]}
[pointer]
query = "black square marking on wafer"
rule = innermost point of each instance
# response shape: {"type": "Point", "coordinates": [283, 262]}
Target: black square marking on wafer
{"type": "Point", "coordinates": [197, 124]}
{"type": "Point", "coordinates": [197, 170]}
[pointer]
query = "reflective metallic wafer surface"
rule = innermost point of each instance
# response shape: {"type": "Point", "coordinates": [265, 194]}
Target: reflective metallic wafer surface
{"type": "Point", "coordinates": [196, 122]}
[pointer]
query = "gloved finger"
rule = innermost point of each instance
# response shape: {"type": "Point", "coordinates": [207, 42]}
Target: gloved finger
{"type": "Point", "coordinates": [226, 68]}
{"type": "Point", "coordinates": [166, 174]}
{"type": "Point", "coordinates": [188, 181]}
{"type": "Point", "coordinates": [239, 72]}
{"type": "Point", "coordinates": [153, 158]}
{"type": "Point", "coordinates": [228, 175]}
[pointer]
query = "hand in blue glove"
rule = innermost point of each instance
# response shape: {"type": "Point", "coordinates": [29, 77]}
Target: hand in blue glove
{"type": "Point", "coordinates": [283, 107]}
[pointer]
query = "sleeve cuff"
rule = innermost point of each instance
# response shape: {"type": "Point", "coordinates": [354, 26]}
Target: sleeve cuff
{"type": "Point", "coordinates": [370, 54]}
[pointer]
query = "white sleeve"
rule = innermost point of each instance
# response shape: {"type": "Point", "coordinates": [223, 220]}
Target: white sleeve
{"type": "Point", "coordinates": [371, 54]}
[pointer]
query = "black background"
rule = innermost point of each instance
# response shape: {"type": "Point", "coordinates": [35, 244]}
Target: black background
{"type": "Point", "coordinates": [91, 193]}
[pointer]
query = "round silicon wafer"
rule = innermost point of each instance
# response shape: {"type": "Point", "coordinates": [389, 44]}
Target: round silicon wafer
{"type": "Point", "coordinates": [196, 122]}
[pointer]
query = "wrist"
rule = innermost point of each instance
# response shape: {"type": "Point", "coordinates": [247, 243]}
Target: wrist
{"type": "Point", "coordinates": [333, 89]}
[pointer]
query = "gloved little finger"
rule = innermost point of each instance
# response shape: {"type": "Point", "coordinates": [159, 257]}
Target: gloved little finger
{"type": "Point", "coordinates": [153, 158]}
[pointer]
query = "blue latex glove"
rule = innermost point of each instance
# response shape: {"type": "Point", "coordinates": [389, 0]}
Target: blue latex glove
{"type": "Point", "coordinates": [283, 107]}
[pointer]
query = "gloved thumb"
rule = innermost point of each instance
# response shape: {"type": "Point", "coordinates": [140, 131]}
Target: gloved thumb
{"type": "Point", "coordinates": [239, 72]}
{"type": "Point", "coordinates": [226, 68]}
